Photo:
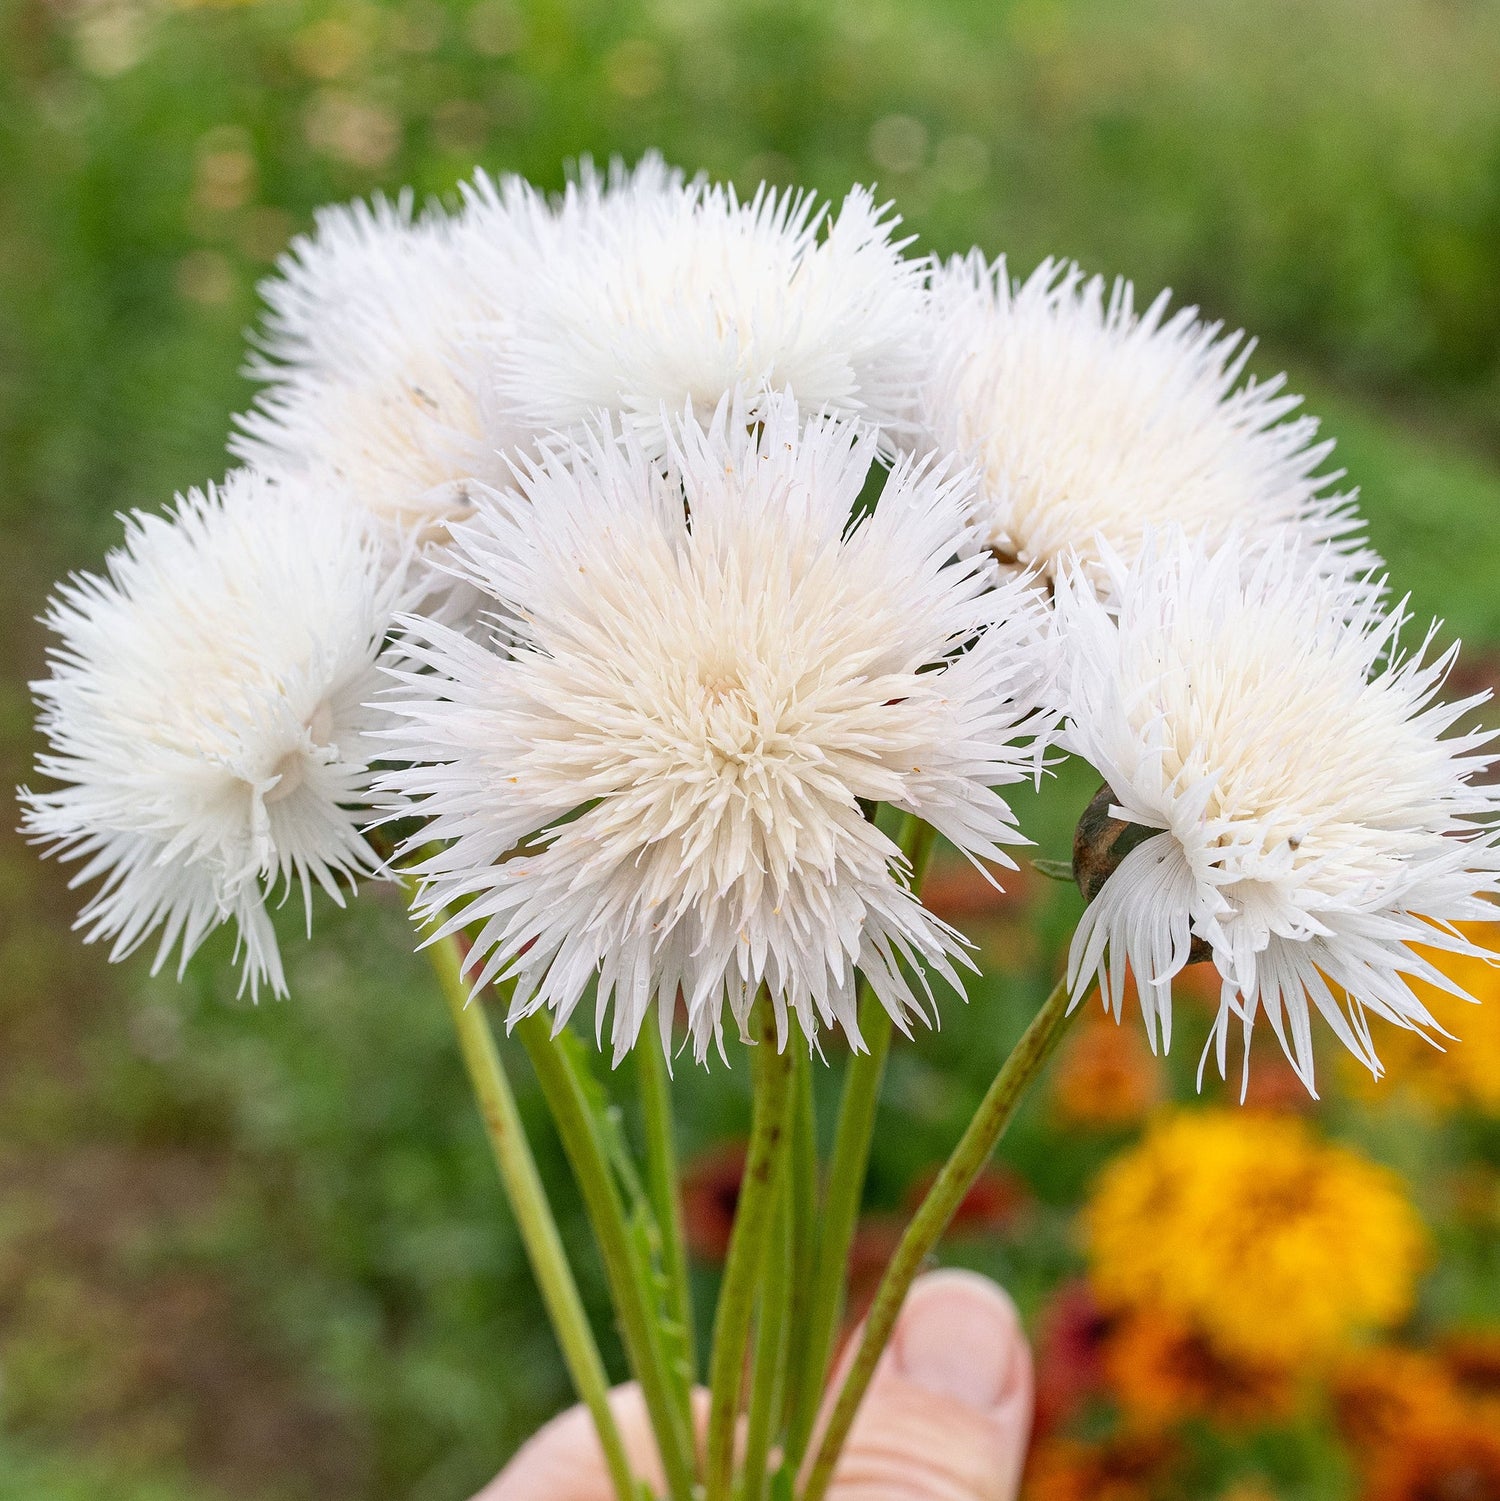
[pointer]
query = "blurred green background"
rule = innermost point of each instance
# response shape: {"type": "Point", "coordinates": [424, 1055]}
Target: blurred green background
{"type": "Point", "coordinates": [261, 1253]}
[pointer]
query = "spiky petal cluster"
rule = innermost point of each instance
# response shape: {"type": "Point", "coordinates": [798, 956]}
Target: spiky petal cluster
{"type": "Point", "coordinates": [644, 291]}
{"type": "Point", "coordinates": [652, 780]}
{"type": "Point", "coordinates": [206, 716]}
{"type": "Point", "coordinates": [1091, 422]}
{"type": "Point", "coordinates": [378, 336]}
{"type": "Point", "coordinates": [1319, 826]}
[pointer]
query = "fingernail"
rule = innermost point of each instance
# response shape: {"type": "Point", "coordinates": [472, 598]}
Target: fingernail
{"type": "Point", "coordinates": [960, 1337]}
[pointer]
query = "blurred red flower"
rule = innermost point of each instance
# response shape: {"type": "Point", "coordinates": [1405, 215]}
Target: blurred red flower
{"type": "Point", "coordinates": [1070, 1341]}
{"type": "Point", "coordinates": [710, 1195]}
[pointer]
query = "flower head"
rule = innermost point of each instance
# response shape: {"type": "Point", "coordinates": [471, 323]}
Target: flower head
{"type": "Point", "coordinates": [1106, 1078]}
{"type": "Point", "coordinates": [1163, 1371]}
{"type": "Point", "coordinates": [1273, 1245]}
{"type": "Point", "coordinates": [1090, 421]}
{"type": "Point", "coordinates": [1301, 810]}
{"type": "Point", "coordinates": [1131, 1466]}
{"type": "Point", "coordinates": [704, 669]}
{"type": "Point", "coordinates": [644, 291]}
{"type": "Point", "coordinates": [1460, 1458]}
{"type": "Point", "coordinates": [1383, 1393]}
{"type": "Point", "coordinates": [1415, 1426]}
{"type": "Point", "coordinates": [374, 356]}
{"type": "Point", "coordinates": [206, 715]}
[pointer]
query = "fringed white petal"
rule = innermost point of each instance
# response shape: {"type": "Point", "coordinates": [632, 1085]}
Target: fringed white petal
{"type": "Point", "coordinates": [650, 781]}
{"type": "Point", "coordinates": [1321, 825]}
{"type": "Point", "coordinates": [206, 717]}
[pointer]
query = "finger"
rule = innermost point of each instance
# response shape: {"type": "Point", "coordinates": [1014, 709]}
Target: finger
{"type": "Point", "coordinates": [946, 1418]}
{"type": "Point", "coordinates": [948, 1415]}
{"type": "Point", "coordinates": [563, 1461]}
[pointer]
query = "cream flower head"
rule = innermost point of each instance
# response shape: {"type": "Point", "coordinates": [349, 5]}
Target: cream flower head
{"type": "Point", "coordinates": [375, 351]}
{"type": "Point", "coordinates": [644, 291]}
{"type": "Point", "coordinates": [1091, 423]}
{"type": "Point", "coordinates": [206, 716]}
{"type": "Point", "coordinates": [1303, 810]}
{"type": "Point", "coordinates": [657, 776]}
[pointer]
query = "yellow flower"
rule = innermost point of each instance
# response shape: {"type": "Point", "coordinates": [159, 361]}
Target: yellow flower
{"type": "Point", "coordinates": [1466, 1070]}
{"type": "Point", "coordinates": [1272, 1243]}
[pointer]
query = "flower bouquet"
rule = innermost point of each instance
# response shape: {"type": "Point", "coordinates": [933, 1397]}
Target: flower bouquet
{"type": "Point", "coordinates": [646, 578]}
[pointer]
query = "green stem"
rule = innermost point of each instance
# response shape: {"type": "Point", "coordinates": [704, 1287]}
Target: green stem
{"type": "Point", "coordinates": [806, 1231]}
{"type": "Point", "coordinates": [769, 1366]}
{"type": "Point", "coordinates": [523, 1186]}
{"type": "Point", "coordinates": [932, 1218]}
{"type": "Point", "coordinates": [662, 1184]}
{"type": "Point", "coordinates": [628, 1278]}
{"type": "Point", "coordinates": [747, 1248]}
{"type": "Point", "coordinates": [846, 1178]}
{"type": "Point", "coordinates": [846, 1181]}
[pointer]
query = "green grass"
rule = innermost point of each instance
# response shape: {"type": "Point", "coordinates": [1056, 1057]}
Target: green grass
{"type": "Point", "coordinates": [1434, 515]}
{"type": "Point", "coordinates": [28, 1476]}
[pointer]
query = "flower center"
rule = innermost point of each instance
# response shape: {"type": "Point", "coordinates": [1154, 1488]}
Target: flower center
{"type": "Point", "coordinates": [719, 684]}
{"type": "Point", "coordinates": [291, 769]}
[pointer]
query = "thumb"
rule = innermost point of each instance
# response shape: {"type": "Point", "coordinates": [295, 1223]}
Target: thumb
{"type": "Point", "coordinates": [946, 1417]}
{"type": "Point", "coordinates": [948, 1414]}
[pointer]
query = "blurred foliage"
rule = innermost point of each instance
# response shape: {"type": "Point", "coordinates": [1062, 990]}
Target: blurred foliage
{"type": "Point", "coordinates": [261, 1253]}
{"type": "Point", "coordinates": [1327, 175]}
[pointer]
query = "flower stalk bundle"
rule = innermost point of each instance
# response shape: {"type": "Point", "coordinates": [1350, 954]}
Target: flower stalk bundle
{"type": "Point", "coordinates": [648, 578]}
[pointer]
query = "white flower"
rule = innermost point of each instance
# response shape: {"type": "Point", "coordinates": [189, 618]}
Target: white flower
{"type": "Point", "coordinates": [652, 778]}
{"type": "Point", "coordinates": [644, 291]}
{"type": "Point", "coordinates": [206, 715]}
{"type": "Point", "coordinates": [375, 355]}
{"type": "Point", "coordinates": [1089, 422]}
{"type": "Point", "coordinates": [1317, 821]}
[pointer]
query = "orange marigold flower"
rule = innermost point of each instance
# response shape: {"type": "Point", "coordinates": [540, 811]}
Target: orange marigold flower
{"type": "Point", "coordinates": [1472, 1357]}
{"type": "Point", "coordinates": [1129, 1467]}
{"type": "Point", "coordinates": [1457, 1460]}
{"type": "Point", "coordinates": [1163, 1372]}
{"type": "Point", "coordinates": [1384, 1392]}
{"type": "Point", "coordinates": [1107, 1076]}
{"type": "Point", "coordinates": [1275, 1244]}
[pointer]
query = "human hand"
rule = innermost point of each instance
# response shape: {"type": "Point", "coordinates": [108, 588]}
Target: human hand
{"type": "Point", "coordinates": [946, 1418]}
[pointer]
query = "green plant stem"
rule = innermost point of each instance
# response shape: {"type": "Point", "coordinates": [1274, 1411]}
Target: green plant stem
{"type": "Point", "coordinates": [662, 1185]}
{"type": "Point", "coordinates": [805, 1231]}
{"type": "Point", "coordinates": [664, 1396]}
{"type": "Point", "coordinates": [768, 1370]}
{"type": "Point", "coordinates": [528, 1199]}
{"type": "Point", "coordinates": [748, 1242]}
{"type": "Point", "coordinates": [840, 1213]}
{"type": "Point", "coordinates": [847, 1169]}
{"type": "Point", "coordinates": [932, 1218]}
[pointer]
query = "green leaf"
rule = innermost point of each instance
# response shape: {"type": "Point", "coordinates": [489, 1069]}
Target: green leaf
{"type": "Point", "coordinates": [1054, 870]}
